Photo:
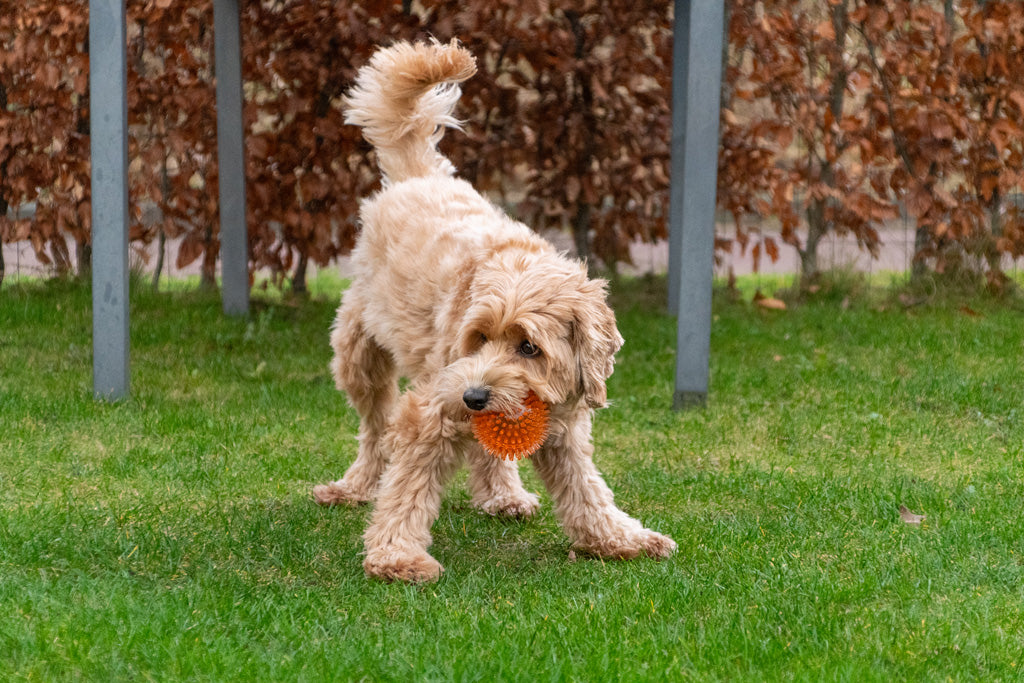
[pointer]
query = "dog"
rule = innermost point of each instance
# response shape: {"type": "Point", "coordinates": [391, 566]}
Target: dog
{"type": "Point", "coordinates": [475, 310]}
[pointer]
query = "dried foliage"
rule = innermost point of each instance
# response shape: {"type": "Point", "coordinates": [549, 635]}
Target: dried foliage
{"type": "Point", "coordinates": [853, 111]}
{"type": "Point", "coordinates": [950, 88]}
{"type": "Point", "coordinates": [44, 126]}
{"type": "Point", "coordinates": [837, 117]}
{"type": "Point", "coordinates": [172, 122]}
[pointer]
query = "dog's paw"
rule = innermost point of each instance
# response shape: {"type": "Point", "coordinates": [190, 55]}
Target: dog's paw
{"type": "Point", "coordinates": [658, 546]}
{"type": "Point", "coordinates": [519, 506]}
{"type": "Point", "coordinates": [632, 545]}
{"type": "Point", "coordinates": [392, 564]}
{"type": "Point", "coordinates": [338, 493]}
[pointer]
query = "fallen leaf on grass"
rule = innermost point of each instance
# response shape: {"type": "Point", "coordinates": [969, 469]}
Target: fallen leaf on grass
{"type": "Point", "coordinates": [774, 304]}
{"type": "Point", "coordinates": [967, 310]}
{"type": "Point", "coordinates": [909, 517]}
{"type": "Point", "coordinates": [769, 302]}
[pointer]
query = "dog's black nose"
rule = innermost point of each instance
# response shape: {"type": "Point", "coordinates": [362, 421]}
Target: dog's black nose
{"type": "Point", "coordinates": [476, 398]}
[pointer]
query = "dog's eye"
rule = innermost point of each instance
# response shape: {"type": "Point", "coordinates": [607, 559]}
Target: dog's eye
{"type": "Point", "coordinates": [528, 350]}
{"type": "Point", "coordinates": [483, 338]}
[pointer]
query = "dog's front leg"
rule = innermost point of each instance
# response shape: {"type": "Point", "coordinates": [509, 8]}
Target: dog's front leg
{"type": "Point", "coordinates": [584, 503]}
{"type": "Point", "coordinates": [423, 458]}
{"type": "Point", "coordinates": [496, 486]}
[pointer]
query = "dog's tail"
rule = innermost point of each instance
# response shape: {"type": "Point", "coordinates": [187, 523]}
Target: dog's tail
{"type": "Point", "coordinates": [403, 99]}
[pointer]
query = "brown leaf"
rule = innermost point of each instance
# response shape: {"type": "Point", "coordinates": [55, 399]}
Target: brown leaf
{"type": "Point", "coordinates": [1017, 97]}
{"type": "Point", "coordinates": [768, 302]}
{"type": "Point", "coordinates": [191, 248]}
{"type": "Point", "coordinates": [967, 310]}
{"type": "Point", "coordinates": [909, 517]}
{"type": "Point", "coordinates": [825, 30]}
{"type": "Point", "coordinates": [919, 201]}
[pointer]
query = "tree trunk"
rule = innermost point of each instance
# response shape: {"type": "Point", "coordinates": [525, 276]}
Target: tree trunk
{"type": "Point", "coordinates": [581, 231]}
{"type": "Point", "coordinates": [165, 193]}
{"type": "Point", "coordinates": [61, 255]}
{"type": "Point", "coordinates": [817, 227]}
{"type": "Point", "coordinates": [208, 279]}
{"type": "Point", "coordinates": [3, 213]}
{"type": "Point", "coordinates": [584, 99]}
{"type": "Point", "coordinates": [299, 276]}
{"type": "Point", "coordinates": [918, 269]}
{"type": "Point", "coordinates": [3, 201]}
{"type": "Point", "coordinates": [83, 254]}
{"type": "Point", "coordinates": [995, 231]}
{"type": "Point", "coordinates": [161, 246]}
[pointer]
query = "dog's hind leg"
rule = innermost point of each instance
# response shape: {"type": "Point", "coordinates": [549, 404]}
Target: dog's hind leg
{"type": "Point", "coordinates": [367, 373]}
{"type": "Point", "coordinates": [496, 486]}
{"type": "Point", "coordinates": [584, 504]}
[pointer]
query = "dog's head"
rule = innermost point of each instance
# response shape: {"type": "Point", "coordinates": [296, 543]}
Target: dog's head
{"type": "Point", "coordinates": [535, 324]}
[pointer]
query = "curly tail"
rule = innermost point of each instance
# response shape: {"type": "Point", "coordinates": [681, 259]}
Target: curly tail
{"type": "Point", "coordinates": [403, 112]}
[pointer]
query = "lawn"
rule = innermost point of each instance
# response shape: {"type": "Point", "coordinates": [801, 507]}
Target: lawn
{"type": "Point", "coordinates": [172, 536]}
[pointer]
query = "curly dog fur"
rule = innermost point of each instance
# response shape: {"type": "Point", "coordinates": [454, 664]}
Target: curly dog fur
{"type": "Point", "coordinates": [475, 310]}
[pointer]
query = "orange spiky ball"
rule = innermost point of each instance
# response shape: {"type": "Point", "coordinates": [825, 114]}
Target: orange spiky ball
{"type": "Point", "coordinates": [511, 438]}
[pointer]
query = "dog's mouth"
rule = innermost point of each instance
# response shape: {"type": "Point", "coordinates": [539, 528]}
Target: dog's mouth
{"type": "Point", "coordinates": [510, 436]}
{"type": "Point", "coordinates": [515, 414]}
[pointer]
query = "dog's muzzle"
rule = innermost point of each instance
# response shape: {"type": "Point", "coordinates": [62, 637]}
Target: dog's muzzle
{"type": "Point", "coordinates": [476, 398]}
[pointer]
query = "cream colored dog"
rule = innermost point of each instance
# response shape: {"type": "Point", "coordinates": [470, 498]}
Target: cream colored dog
{"type": "Point", "coordinates": [475, 310]}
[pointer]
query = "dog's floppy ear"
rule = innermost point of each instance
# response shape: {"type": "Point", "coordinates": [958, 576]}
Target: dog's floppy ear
{"type": "Point", "coordinates": [595, 340]}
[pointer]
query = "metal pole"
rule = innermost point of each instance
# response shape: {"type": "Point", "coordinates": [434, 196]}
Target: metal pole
{"type": "Point", "coordinates": [109, 151]}
{"type": "Point", "coordinates": [234, 238]}
{"type": "Point", "coordinates": [696, 78]}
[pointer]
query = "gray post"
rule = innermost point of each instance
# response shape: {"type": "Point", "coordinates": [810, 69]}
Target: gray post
{"type": "Point", "coordinates": [109, 151]}
{"type": "Point", "coordinates": [234, 238]}
{"type": "Point", "coordinates": [696, 88]}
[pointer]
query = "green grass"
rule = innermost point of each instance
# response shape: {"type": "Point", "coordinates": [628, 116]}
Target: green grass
{"type": "Point", "coordinates": [172, 536]}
